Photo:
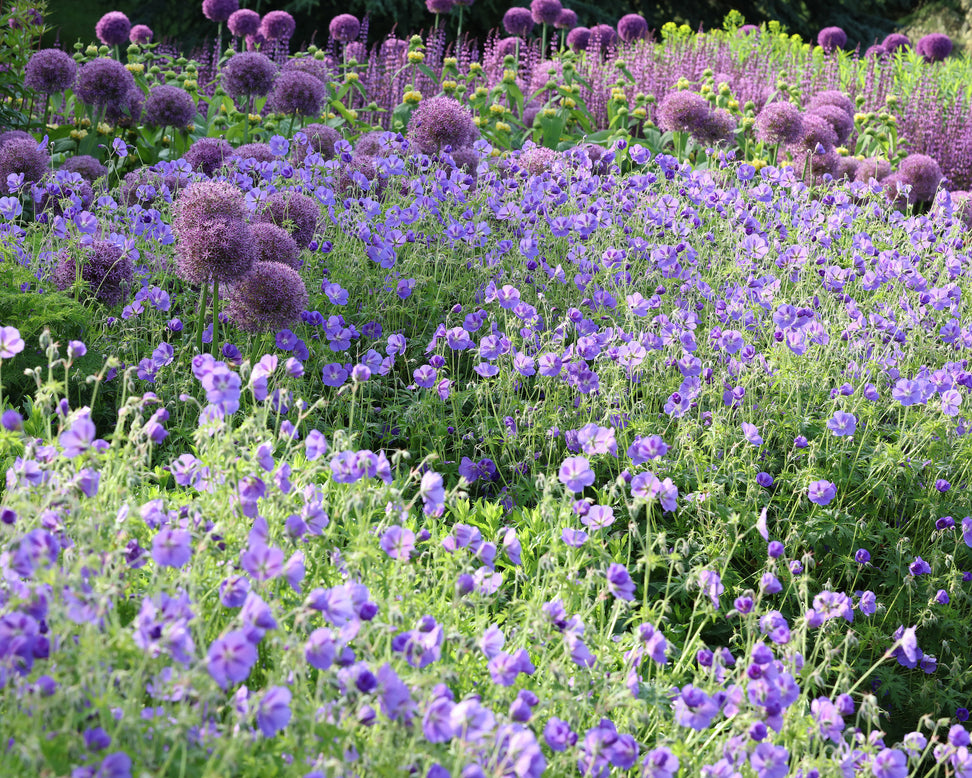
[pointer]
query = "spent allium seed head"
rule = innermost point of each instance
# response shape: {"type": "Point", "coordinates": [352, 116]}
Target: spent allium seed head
{"type": "Point", "coordinates": [219, 10]}
{"type": "Point", "coordinates": [816, 130]}
{"type": "Point", "coordinates": [268, 298]}
{"type": "Point", "coordinates": [278, 26]}
{"type": "Point", "coordinates": [259, 151]}
{"type": "Point", "coordinates": [274, 244]}
{"type": "Point", "coordinates": [831, 38]}
{"type": "Point", "coordinates": [296, 92]}
{"type": "Point", "coordinates": [112, 29]}
{"type": "Point", "coordinates": [141, 34]}
{"type": "Point", "coordinates": [924, 175]}
{"type": "Point", "coordinates": [872, 167]}
{"type": "Point", "coordinates": [566, 20]}
{"type": "Point", "coordinates": [896, 41]}
{"type": "Point", "coordinates": [50, 71]}
{"type": "Point", "coordinates": [293, 211]}
{"type": "Point", "coordinates": [441, 121]}
{"type": "Point", "coordinates": [683, 111]}
{"type": "Point", "coordinates": [24, 156]}
{"type": "Point", "coordinates": [344, 27]}
{"type": "Point", "coordinates": [934, 47]}
{"type": "Point", "coordinates": [106, 271]}
{"type": "Point", "coordinates": [320, 139]}
{"type": "Point", "coordinates": [832, 97]}
{"type": "Point", "coordinates": [208, 154]}
{"type": "Point", "coordinates": [205, 200]}
{"type": "Point", "coordinates": [439, 6]}
{"type": "Point", "coordinates": [840, 121]}
{"type": "Point", "coordinates": [169, 106]}
{"type": "Point", "coordinates": [632, 27]}
{"type": "Point", "coordinates": [86, 166]}
{"type": "Point", "coordinates": [243, 22]}
{"type": "Point", "coordinates": [104, 81]}
{"type": "Point", "coordinates": [217, 249]}
{"type": "Point", "coordinates": [518, 21]}
{"type": "Point", "coordinates": [545, 11]}
{"type": "Point", "coordinates": [247, 74]}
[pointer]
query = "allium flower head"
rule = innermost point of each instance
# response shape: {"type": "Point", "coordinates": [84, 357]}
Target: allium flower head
{"type": "Point", "coordinates": [537, 160]}
{"type": "Point", "coordinates": [518, 21]}
{"type": "Point", "coordinates": [439, 6]}
{"type": "Point", "coordinates": [207, 155]}
{"type": "Point", "coordinates": [293, 211]}
{"type": "Point", "coordinates": [50, 71]}
{"type": "Point", "coordinates": [9, 135]}
{"type": "Point", "coordinates": [169, 106]}
{"type": "Point", "coordinates": [604, 35]}
{"type": "Point", "coordinates": [112, 29]}
{"type": "Point", "coordinates": [718, 128]}
{"type": "Point", "coordinates": [872, 167]}
{"type": "Point", "coordinates": [877, 51]}
{"type": "Point", "coordinates": [578, 38]}
{"type": "Point", "coordinates": [202, 201]}
{"type": "Point", "coordinates": [683, 111]}
{"type": "Point", "coordinates": [344, 27]}
{"type": "Point", "coordinates": [23, 156]}
{"type": "Point", "coordinates": [274, 244]}
{"type": "Point", "coordinates": [219, 249]}
{"type": "Point", "coordinates": [270, 297]}
{"type": "Point", "coordinates": [545, 11]}
{"type": "Point", "coordinates": [817, 131]}
{"type": "Point", "coordinates": [840, 121]}
{"type": "Point", "coordinates": [896, 41]}
{"type": "Point", "coordinates": [831, 38]}
{"type": "Point", "coordinates": [441, 121]}
{"type": "Point", "coordinates": [632, 27]}
{"type": "Point", "coordinates": [278, 26]}
{"type": "Point", "coordinates": [219, 10]}
{"type": "Point", "coordinates": [566, 20]}
{"type": "Point", "coordinates": [261, 152]}
{"type": "Point", "coordinates": [296, 92]}
{"type": "Point", "coordinates": [779, 123]}
{"type": "Point", "coordinates": [934, 47]}
{"type": "Point", "coordinates": [141, 34]}
{"type": "Point", "coordinates": [248, 74]}
{"type": "Point", "coordinates": [924, 175]}
{"type": "Point", "coordinates": [243, 22]}
{"type": "Point", "coordinates": [318, 68]}
{"type": "Point", "coordinates": [320, 139]}
{"type": "Point", "coordinates": [832, 97]}
{"type": "Point", "coordinates": [107, 272]}
{"type": "Point", "coordinates": [104, 81]}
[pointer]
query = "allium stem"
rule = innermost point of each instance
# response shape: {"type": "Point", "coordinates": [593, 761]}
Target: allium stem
{"type": "Point", "coordinates": [543, 44]}
{"type": "Point", "coordinates": [215, 344]}
{"type": "Point", "coordinates": [246, 119]}
{"type": "Point", "coordinates": [459, 28]}
{"type": "Point", "coordinates": [201, 317]}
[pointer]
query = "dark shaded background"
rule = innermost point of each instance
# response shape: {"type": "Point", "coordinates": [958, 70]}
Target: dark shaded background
{"type": "Point", "coordinates": [182, 20]}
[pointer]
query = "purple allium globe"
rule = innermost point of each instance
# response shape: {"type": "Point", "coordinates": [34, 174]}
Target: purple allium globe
{"type": "Point", "coordinates": [320, 139]}
{"type": "Point", "coordinates": [440, 122]}
{"type": "Point", "coordinates": [370, 145]}
{"type": "Point", "coordinates": [219, 10]}
{"type": "Point", "coordinates": [145, 187]}
{"type": "Point", "coordinates": [274, 244]}
{"type": "Point", "coordinates": [393, 51]}
{"type": "Point", "coordinates": [578, 39]}
{"type": "Point", "coordinates": [243, 22]}
{"type": "Point", "coordinates": [847, 168]}
{"type": "Point", "coordinates": [259, 151]}
{"type": "Point", "coordinates": [877, 51]}
{"type": "Point", "coordinates": [356, 50]}
{"type": "Point", "coordinates": [169, 106]}
{"type": "Point", "coordinates": [566, 20]}
{"type": "Point", "coordinates": [344, 28]}
{"type": "Point", "coordinates": [278, 26]}
{"type": "Point", "coordinates": [204, 201]}
{"type": "Point", "coordinates": [467, 160]}
{"type": "Point", "coordinates": [896, 41]}
{"type": "Point", "coordinates": [103, 82]}
{"type": "Point", "coordinates": [604, 35]}
{"type": "Point", "coordinates": [817, 131]}
{"type": "Point", "coordinates": [831, 38]}
{"type": "Point", "coordinates": [23, 156]}
{"type": "Point", "coordinates": [439, 6]}
{"type": "Point", "coordinates": [545, 11]}
{"type": "Point", "coordinates": [314, 67]}
{"type": "Point", "coordinates": [248, 74]}
{"type": "Point", "coordinates": [57, 190]}
{"type": "Point", "coordinates": [537, 160]}
{"type": "Point", "coordinates": [832, 97]}
{"type": "Point", "coordinates": [683, 111]}
{"type": "Point", "coordinates": [748, 29]}
{"type": "Point", "coordinates": [779, 123]}
{"type": "Point", "coordinates": [293, 211]}
{"type": "Point", "coordinates": [841, 122]}
{"type": "Point", "coordinates": [220, 249]}
{"type": "Point", "coordinates": [518, 21]}
{"type": "Point", "coordinates": [112, 29]}
{"type": "Point", "coordinates": [632, 27]}
{"type": "Point", "coordinates": [872, 167]}
{"type": "Point", "coordinates": [50, 71]}
{"type": "Point", "coordinates": [359, 172]}
{"type": "Point", "coordinates": [934, 47]}
{"type": "Point", "coordinates": [296, 92]}
{"type": "Point", "coordinates": [893, 192]}
{"type": "Point", "coordinates": [127, 112]}
{"type": "Point", "coordinates": [9, 135]}
{"type": "Point", "coordinates": [89, 168]}
{"type": "Point", "coordinates": [718, 128]}
{"type": "Point", "coordinates": [106, 271]}
{"type": "Point", "coordinates": [141, 34]}
{"type": "Point", "coordinates": [206, 155]}
{"type": "Point", "coordinates": [267, 299]}
{"type": "Point", "coordinates": [924, 175]}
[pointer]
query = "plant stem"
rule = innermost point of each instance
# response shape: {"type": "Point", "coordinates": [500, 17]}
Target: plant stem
{"type": "Point", "coordinates": [200, 317]}
{"type": "Point", "coordinates": [214, 344]}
